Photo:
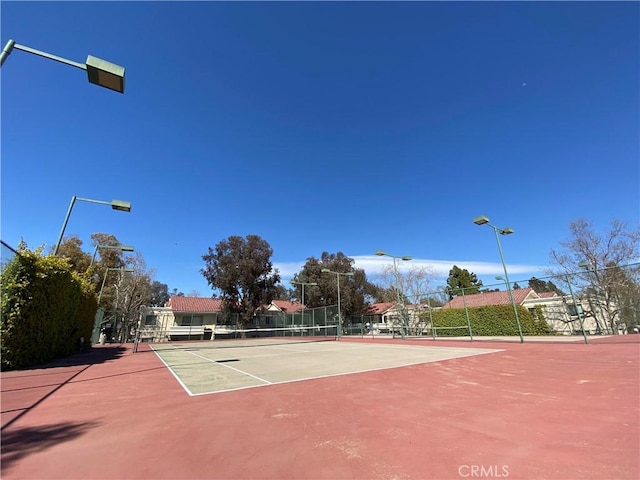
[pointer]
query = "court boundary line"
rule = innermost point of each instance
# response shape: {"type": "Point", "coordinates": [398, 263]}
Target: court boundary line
{"type": "Point", "coordinates": [268, 383]}
{"type": "Point", "coordinates": [186, 389]}
{"type": "Point", "coordinates": [343, 374]}
{"type": "Point", "coordinates": [281, 351]}
{"type": "Point", "coordinates": [217, 362]}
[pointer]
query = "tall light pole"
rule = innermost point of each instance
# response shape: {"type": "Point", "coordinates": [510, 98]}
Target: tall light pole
{"type": "Point", "coordinates": [122, 248]}
{"type": "Point", "coordinates": [309, 284]}
{"type": "Point", "coordinates": [337, 274]}
{"type": "Point", "coordinates": [482, 220]}
{"type": "Point", "coordinates": [400, 298]}
{"type": "Point", "coordinates": [115, 204]}
{"type": "Point", "coordinates": [99, 72]}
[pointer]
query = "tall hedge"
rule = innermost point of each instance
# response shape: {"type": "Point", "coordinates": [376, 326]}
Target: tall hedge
{"type": "Point", "coordinates": [46, 310]}
{"type": "Point", "coordinates": [493, 320]}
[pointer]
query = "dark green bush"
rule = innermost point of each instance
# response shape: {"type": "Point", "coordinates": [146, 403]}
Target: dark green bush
{"type": "Point", "coordinates": [493, 320]}
{"type": "Point", "coordinates": [46, 310]}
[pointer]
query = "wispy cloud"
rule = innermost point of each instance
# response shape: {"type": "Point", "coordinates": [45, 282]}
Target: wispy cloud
{"type": "Point", "coordinates": [374, 265]}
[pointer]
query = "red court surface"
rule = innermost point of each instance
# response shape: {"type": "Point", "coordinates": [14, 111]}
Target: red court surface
{"type": "Point", "coordinates": [531, 411]}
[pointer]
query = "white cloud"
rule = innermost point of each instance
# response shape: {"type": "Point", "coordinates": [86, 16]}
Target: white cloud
{"type": "Point", "coordinates": [374, 265]}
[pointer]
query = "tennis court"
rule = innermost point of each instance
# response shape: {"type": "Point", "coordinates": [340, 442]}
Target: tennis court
{"type": "Point", "coordinates": [209, 367]}
{"type": "Point", "coordinates": [458, 409]}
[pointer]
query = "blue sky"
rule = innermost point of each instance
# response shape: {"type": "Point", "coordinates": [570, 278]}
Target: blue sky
{"type": "Point", "coordinates": [323, 126]}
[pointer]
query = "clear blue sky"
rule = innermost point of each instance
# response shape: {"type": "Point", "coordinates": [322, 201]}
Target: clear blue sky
{"type": "Point", "coordinates": [324, 126]}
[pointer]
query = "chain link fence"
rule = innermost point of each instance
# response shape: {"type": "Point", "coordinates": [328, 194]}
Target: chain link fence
{"type": "Point", "coordinates": [161, 324]}
{"type": "Point", "coordinates": [604, 301]}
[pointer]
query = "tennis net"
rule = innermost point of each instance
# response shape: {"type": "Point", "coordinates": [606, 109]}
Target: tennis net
{"type": "Point", "coordinates": [317, 332]}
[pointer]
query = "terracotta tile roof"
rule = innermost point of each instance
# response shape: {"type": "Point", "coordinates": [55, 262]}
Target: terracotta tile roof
{"type": "Point", "coordinates": [492, 298]}
{"type": "Point", "coordinates": [547, 294]}
{"type": "Point", "coordinates": [379, 308]}
{"type": "Point", "coordinates": [195, 304]}
{"type": "Point", "coordinates": [287, 306]}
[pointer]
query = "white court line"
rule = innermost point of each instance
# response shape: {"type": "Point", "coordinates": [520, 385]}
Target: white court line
{"type": "Point", "coordinates": [186, 389]}
{"type": "Point", "coordinates": [420, 362]}
{"type": "Point", "coordinates": [470, 353]}
{"type": "Point", "coordinates": [172, 372]}
{"type": "Point", "coordinates": [231, 368]}
{"type": "Point", "coordinates": [293, 352]}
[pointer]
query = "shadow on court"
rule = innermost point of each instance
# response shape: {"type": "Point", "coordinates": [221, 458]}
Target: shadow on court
{"type": "Point", "coordinates": [20, 442]}
{"type": "Point", "coordinates": [90, 356]}
{"type": "Point", "coordinates": [24, 390]}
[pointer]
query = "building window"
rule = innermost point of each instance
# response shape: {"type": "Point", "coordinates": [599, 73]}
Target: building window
{"type": "Point", "coordinates": [190, 320]}
{"type": "Point", "coordinates": [151, 320]}
{"type": "Point", "coordinates": [573, 309]}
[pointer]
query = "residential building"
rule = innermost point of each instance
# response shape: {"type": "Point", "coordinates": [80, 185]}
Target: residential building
{"type": "Point", "coordinates": [197, 318]}
{"type": "Point", "coordinates": [559, 311]}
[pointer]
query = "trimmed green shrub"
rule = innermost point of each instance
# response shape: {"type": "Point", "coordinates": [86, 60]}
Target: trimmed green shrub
{"type": "Point", "coordinates": [493, 320]}
{"type": "Point", "coordinates": [46, 310]}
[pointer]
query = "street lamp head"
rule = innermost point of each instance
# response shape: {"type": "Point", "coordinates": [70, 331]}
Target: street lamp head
{"type": "Point", "coordinates": [105, 74]}
{"type": "Point", "coordinates": [380, 253]}
{"type": "Point", "coordinates": [506, 231]}
{"type": "Point", "coordinates": [120, 269]}
{"type": "Point", "coordinates": [121, 205]}
{"type": "Point", "coordinates": [584, 265]}
{"type": "Point", "coordinates": [126, 248]}
{"type": "Point", "coordinates": [481, 220]}
{"type": "Point", "coordinates": [499, 277]}
{"type": "Point", "coordinates": [406, 258]}
{"type": "Point", "coordinates": [326, 270]}
{"type": "Point", "coordinates": [348, 274]}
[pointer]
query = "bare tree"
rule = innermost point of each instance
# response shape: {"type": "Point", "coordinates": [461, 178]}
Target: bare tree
{"type": "Point", "coordinates": [414, 284]}
{"type": "Point", "coordinates": [412, 287]}
{"type": "Point", "coordinates": [131, 290]}
{"type": "Point", "coordinates": [603, 262]}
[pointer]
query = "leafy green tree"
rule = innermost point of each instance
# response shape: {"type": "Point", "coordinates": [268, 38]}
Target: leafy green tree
{"type": "Point", "coordinates": [71, 249]}
{"type": "Point", "coordinates": [356, 291]}
{"type": "Point", "coordinates": [283, 293]}
{"type": "Point", "coordinates": [105, 258]}
{"type": "Point", "coordinates": [108, 257]}
{"type": "Point", "coordinates": [540, 286]}
{"type": "Point", "coordinates": [385, 294]}
{"type": "Point", "coordinates": [159, 294]}
{"type": "Point", "coordinates": [241, 269]}
{"type": "Point", "coordinates": [433, 300]}
{"type": "Point", "coordinates": [46, 309]}
{"type": "Point", "coordinates": [461, 278]}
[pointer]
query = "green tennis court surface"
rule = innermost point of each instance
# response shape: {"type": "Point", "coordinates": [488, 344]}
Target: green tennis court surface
{"type": "Point", "coordinates": [218, 366]}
